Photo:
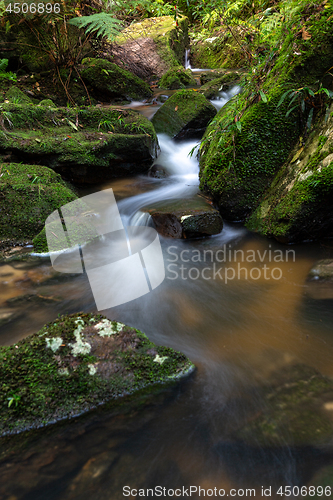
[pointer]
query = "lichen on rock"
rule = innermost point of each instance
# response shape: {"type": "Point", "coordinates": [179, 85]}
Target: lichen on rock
{"type": "Point", "coordinates": [53, 380]}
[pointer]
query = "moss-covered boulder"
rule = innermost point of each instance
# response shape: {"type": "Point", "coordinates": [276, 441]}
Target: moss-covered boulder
{"type": "Point", "coordinates": [184, 115]}
{"type": "Point", "coordinates": [185, 218]}
{"type": "Point", "coordinates": [299, 203]}
{"type": "Point", "coordinates": [77, 363]}
{"type": "Point", "coordinates": [177, 78]}
{"type": "Point", "coordinates": [212, 87]}
{"type": "Point", "coordinates": [28, 194]}
{"type": "Point", "coordinates": [84, 145]}
{"type": "Point", "coordinates": [110, 81]}
{"type": "Point", "coordinates": [252, 136]}
{"type": "Point", "coordinates": [152, 46]}
{"type": "Point", "coordinates": [15, 95]}
{"type": "Point", "coordinates": [297, 411]}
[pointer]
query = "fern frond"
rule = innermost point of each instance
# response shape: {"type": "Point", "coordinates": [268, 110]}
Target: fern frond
{"type": "Point", "coordinates": [102, 24]}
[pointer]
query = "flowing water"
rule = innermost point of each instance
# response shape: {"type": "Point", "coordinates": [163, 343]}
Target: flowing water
{"type": "Point", "coordinates": [235, 321]}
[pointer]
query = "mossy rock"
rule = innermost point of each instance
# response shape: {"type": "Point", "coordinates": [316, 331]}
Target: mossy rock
{"type": "Point", "coordinates": [84, 145]}
{"type": "Point", "coordinates": [239, 161]}
{"type": "Point", "coordinates": [184, 115]}
{"type": "Point", "coordinates": [321, 484]}
{"type": "Point", "coordinates": [185, 218]}
{"type": "Point", "coordinates": [236, 165]}
{"type": "Point", "coordinates": [47, 102]}
{"type": "Point", "coordinates": [28, 194]}
{"type": "Point", "coordinates": [152, 46]}
{"type": "Point", "coordinates": [297, 411]}
{"type": "Point", "coordinates": [15, 95]}
{"type": "Point", "coordinates": [111, 81]}
{"type": "Point", "coordinates": [76, 363]}
{"type": "Point", "coordinates": [298, 205]}
{"type": "Point", "coordinates": [212, 88]}
{"type": "Point", "coordinates": [177, 78]}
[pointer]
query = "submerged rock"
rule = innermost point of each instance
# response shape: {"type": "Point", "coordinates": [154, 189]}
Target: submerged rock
{"type": "Point", "coordinates": [185, 115]}
{"type": "Point", "coordinates": [85, 145]}
{"type": "Point", "coordinates": [185, 218]}
{"type": "Point", "coordinates": [77, 363]}
{"type": "Point", "coordinates": [320, 280]}
{"type": "Point", "coordinates": [152, 46]}
{"type": "Point", "coordinates": [28, 194]}
{"type": "Point", "coordinates": [111, 81]}
{"type": "Point", "coordinates": [157, 172]}
{"type": "Point", "coordinates": [177, 78]}
{"type": "Point", "coordinates": [297, 411]}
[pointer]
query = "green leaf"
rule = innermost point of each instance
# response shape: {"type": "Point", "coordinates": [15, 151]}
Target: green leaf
{"type": "Point", "coordinates": [72, 124]}
{"type": "Point", "coordinates": [283, 97]}
{"type": "Point", "coordinates": [239, 126]}
{"type": "Point", "coordinates": [291, 110]}
{"type": "Point", "coordinates": [102, 24]}
{"type": "Point", "coordinates": [311, 92]}
{"type": "Point", "coordinates": [263, 96]}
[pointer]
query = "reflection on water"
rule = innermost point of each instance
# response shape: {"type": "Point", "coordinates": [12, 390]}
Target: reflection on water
{"type": "Point", "coordinates": [237, 331]}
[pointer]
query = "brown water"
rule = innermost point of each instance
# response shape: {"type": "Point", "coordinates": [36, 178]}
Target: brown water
{"type": "Point", "coordinates": [236, 332]}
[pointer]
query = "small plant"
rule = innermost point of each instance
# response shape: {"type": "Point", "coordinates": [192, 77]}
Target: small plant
{"type": "Point", "coordinates": [106, 124]}
{"type": "Point", "coordinates": [15, 398]}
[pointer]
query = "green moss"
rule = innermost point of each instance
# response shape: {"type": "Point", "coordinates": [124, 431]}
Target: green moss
{"type": "Point", "coordinates": [15, 95]}
{"type": "Point", "coordinates": [113, 81]}
{"type": "Point", "coordinates": [177, 78]}
{"type": "Point", "coordinates": [293, 413]}
{"type": "Point", "coordinates": [76, 363]}
{"type": "Point", "coordinates": [298, 205]}
{"type": "Point", "coordinates": [212, 87]}
{"type": "Point", "coordinates": [47, 102]}
{"type": "Point", "coordinates": [185, 110]}
{"type": "Point", "coordinates": [28, 194]}
{"type": "Point", "coordinates": [236, 166]}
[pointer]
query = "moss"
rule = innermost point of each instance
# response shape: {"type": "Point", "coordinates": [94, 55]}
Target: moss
{"type": "Point", "coordinates": [237, 165]}
{"type": "Point", "coordinates": [177, 78]}
{"type": "Point", "coordinates": [212, 87]}
{"type": "Point", "coordinates": [112, 81]}
{"type": "Point", "coordinates": [298, 205]}
{"type": "Point", "coordinates": [186, 110]}
{"type": "Point", "coordinates": [170, 39]}
{"type": "Point", "coordinates": [293, 413]}
{"type": "Point", "coordinates": [117, 141]}
{"type": "Point", "coordinates": [70, 366]}
{"type": "Point", "coordinates": [28, 194]}
{"type": "Point", "coordinates": [47, 102]}
{"type": "Point", "coordinates": [14, 94]}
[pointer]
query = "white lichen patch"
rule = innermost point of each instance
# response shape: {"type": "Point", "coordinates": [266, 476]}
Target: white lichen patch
{"type": "Point", "coordinates": [92, 369]}
{"type": "Point", "coordinates": [160, 359]}
{"type": "Point", "coordinates": [106, 328]}
{"type": "Point", "coordinates": [185, 217]}
{"type": "Point", "coordinates": [79, 347]}
{"type": "Point", "coordinates": [63, 371]}
{"type": "Point", "coordinates": [54, 343]}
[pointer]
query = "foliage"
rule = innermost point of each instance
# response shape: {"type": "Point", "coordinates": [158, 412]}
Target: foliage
{"type": "Point", "coordinates": [101, 24]}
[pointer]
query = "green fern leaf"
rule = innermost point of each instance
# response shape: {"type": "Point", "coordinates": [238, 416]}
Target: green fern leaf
{"type": "Point", "coordinates": [102, 24]}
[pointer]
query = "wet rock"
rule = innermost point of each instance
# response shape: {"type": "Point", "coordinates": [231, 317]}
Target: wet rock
{"type": "Point", "coordinates": [30, 299]}
{"type": "Point", "coordinates": [28, 194]}
{"type": "Point", "coordinates": [297, 410]}
{"type": "Point", "coordinates": [212, 88]}
{"type": "Point", "coordinates": [8, 316]}
{"type": "Point", "coordinates": [177, 78]}
{"type": "Point", "coordinates": [77, 363]}
{"type": "Point", "coordinates": [152, 46]}
{"type": "Point", "coordinates": [298, 204]}
{"type": "Point", "coordinates": [320, 280]}
{"type": "Point", "coordinates": [185, 218]}
{"type": "Point", "coordinates": [185, 115]}
{"type": "Point", "coordinates": [85, 145]}
{"type": "Point", "coordinates": [111, 81]}
{"type": "Point", "coordinates": [158, 172]}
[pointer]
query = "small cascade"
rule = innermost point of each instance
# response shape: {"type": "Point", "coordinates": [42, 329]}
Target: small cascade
{"type": "Point", "coordinates": [187, 59]}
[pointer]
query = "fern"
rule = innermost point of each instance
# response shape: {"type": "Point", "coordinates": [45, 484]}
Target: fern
{"type": "Point", "coordinates": [3, 65]}
{"type": "Point", "coordinates": [102, 24]}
